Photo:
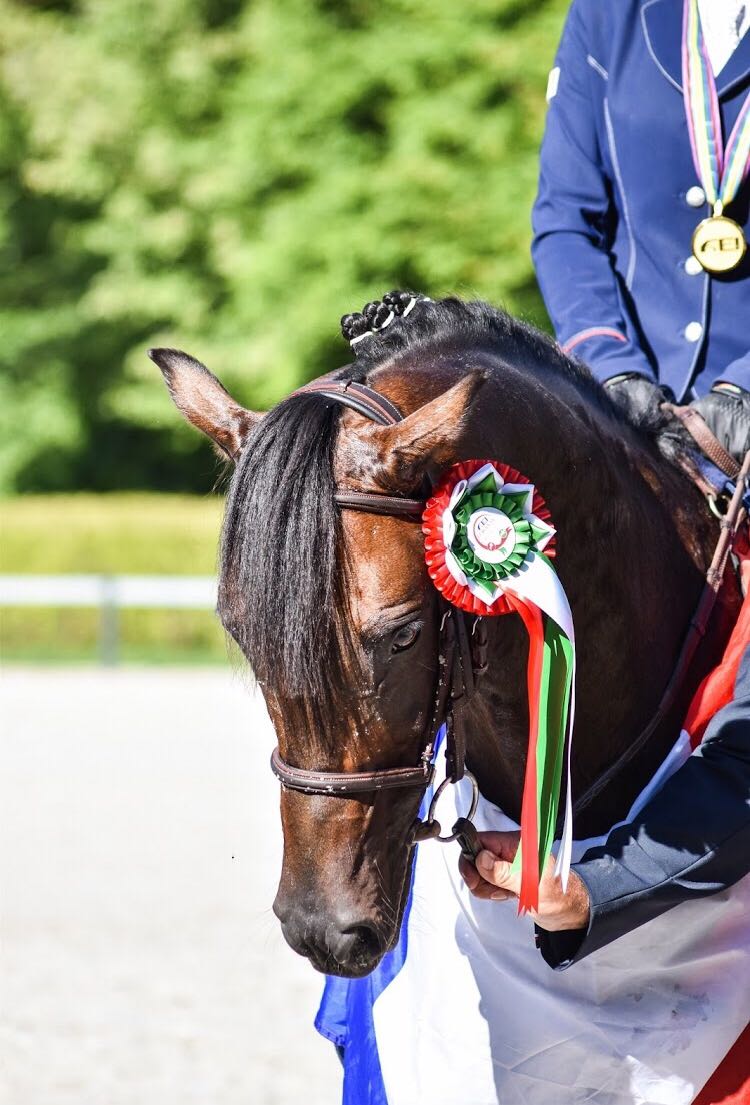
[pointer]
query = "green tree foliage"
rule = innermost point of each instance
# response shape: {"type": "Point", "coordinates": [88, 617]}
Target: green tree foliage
{"type": "Point", "coordinates": [230, 177]}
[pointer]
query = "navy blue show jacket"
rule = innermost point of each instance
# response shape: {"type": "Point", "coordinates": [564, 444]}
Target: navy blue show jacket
{"type": "Point", "coordinates": [619, 200]}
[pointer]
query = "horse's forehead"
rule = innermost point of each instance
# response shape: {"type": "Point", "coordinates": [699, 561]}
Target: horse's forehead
{"type": "Point", "coordinates": [386, 554]}
{"type": "Point", "coordinates": [386, 564]}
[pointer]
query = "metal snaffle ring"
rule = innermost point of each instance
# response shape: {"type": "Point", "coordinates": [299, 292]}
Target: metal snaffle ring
{"type": "Point", "coordinates": [716, 502]}
{"type": "Point", "coordinates": [436, 798]}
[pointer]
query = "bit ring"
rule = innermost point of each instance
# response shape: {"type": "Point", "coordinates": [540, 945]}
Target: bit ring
{"type": "Point", "coordinates": [436, 797]}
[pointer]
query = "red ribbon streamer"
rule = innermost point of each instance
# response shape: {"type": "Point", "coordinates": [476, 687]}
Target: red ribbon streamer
{"type": "Point", "coordinates": [528, 898]}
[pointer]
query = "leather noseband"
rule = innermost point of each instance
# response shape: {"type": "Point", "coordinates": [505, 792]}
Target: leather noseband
{"type": "Point", "coordinates": [459, 664]}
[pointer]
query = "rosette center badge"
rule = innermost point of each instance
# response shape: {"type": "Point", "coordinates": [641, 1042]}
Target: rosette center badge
{"type": "Point", "coordinates": [491, 535]}
{"type": "Point", "coordinates": [490, 530]}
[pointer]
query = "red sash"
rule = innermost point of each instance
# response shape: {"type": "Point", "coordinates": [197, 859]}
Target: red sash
{"type": "Point", "coordinates": [730, 1083]}
{"type": "Point", "coordinates": [717, 689]}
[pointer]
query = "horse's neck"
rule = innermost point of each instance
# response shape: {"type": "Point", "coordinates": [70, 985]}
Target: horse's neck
{"type": "Point", "coordinates": [632, 543]}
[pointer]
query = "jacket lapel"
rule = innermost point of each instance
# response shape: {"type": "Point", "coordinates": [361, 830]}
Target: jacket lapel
{"type": "Point", "coordinates": [662, 29]}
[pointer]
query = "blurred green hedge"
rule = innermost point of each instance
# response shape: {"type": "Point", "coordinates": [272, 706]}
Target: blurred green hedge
{"type": "Point", "coordinates": [110, 534]}
{"type": "Point", "coordinates": [230, 177]}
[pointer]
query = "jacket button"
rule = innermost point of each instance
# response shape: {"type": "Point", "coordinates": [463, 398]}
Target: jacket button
{"type": "Point", "coordinates": [693, 331]}
{"type": "Point", "coordinates": [693, 266]}
{"type": "Point", "coordinates": [695, 196]}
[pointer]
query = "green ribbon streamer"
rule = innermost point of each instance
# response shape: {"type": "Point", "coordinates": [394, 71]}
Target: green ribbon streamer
{"type": "Point", "coordinates": [554, 704]}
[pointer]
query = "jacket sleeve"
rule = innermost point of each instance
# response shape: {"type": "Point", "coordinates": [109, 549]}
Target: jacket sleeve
{"type": "Point", "coordinates": [573, 217]}
{"type": "Point", "coordinates": [738, 372]}
{"type": "Point", "coordinates": [692, 839]}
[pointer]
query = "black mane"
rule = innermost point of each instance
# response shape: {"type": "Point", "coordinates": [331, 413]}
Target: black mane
{"type": "Point", "coordinates": [456, 326]}
{"type": "Point", "coordinates": [283, 590]}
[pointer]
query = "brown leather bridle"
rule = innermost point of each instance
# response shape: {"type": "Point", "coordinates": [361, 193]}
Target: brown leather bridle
{"type": "Point", "coordinates": [462, 653]}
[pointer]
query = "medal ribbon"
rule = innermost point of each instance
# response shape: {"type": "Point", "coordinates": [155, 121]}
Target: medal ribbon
{"type": "Point", "coordinates": [721, 170]}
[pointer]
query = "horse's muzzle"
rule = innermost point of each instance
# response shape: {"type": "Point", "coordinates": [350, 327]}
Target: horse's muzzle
{"type": "Point", "coordinates": [343, 945]}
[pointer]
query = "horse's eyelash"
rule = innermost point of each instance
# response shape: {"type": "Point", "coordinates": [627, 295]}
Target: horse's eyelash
{"type": "Point", "coordinates": [380, 634]}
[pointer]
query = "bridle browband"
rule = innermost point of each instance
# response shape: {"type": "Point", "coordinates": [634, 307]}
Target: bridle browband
{"type": "Point", "coordinates": [370, 404]}
{"type": "Point", "coordinates": [462, 654]}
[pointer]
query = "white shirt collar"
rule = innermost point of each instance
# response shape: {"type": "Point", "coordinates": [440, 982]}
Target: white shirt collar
{"type": "Point", "coordinates": [724, 22]}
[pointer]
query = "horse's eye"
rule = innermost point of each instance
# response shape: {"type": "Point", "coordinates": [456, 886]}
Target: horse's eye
{"type": "Point", "coordinates": [405, 637]}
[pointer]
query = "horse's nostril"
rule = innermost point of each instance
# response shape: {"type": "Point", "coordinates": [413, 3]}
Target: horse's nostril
{"type": "Point", "coordinates": [362, 942]}
{"type": "Point", "coordinates": [344, 948]}
{"type": "Point", "coordinates": [366, 936]}
{"type": "Point", "coordinates": [282, 909]}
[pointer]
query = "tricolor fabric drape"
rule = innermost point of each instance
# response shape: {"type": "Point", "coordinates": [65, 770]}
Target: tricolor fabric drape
{"type": "Point", "coordinates": [465, 1009]}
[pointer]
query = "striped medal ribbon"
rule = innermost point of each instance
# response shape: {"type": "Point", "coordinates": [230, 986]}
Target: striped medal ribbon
{"type": "Point", "coordinates": [718, 242]}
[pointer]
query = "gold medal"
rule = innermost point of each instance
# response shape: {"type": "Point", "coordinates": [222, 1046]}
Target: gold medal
{"type": "Point", "coordinates": [719, 244]}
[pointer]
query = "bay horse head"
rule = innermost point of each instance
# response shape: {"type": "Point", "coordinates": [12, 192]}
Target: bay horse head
{"type": "Point", "coordinates": [334, 610]}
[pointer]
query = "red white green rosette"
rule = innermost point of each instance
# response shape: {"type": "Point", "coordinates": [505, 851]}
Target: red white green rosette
{"type": "Point", "coordinates": [489, 540]}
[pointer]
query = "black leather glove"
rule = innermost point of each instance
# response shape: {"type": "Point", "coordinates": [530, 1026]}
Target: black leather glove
{"type": "Point", "coordinates": [726, 410]}
{"type": "Point", "coordinates": [637, 396]}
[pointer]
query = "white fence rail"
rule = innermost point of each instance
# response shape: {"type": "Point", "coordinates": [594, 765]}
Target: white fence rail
{"type": "Point", "coordinates": [144, 592]}
{"type": "Point", "coordinates": [109, 594]}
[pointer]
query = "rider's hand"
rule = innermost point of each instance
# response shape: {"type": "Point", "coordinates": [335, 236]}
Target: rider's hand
{"type": "Point", "coordinates": [492, 878]}
{"type": "Point", "coordinates": [636, 395]}
{"type": "Point", "coordinates": [726, 410]}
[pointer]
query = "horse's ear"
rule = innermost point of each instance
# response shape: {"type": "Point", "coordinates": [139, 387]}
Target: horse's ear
{"type": "Point", "coordinates": [204, 401]}
{"type": "Point", "coordinates": [427, 440]}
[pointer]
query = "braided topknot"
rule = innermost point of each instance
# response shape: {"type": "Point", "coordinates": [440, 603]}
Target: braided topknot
{"type": "Point", "coordinates": [378, 314]}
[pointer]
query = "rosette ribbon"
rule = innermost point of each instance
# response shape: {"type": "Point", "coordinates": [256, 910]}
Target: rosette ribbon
{"type": "Point", "coordinates": [489, 545]}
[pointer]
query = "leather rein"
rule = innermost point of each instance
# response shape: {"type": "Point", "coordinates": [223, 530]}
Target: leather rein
{"type": "Point", "coordinates": [462, 651]}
